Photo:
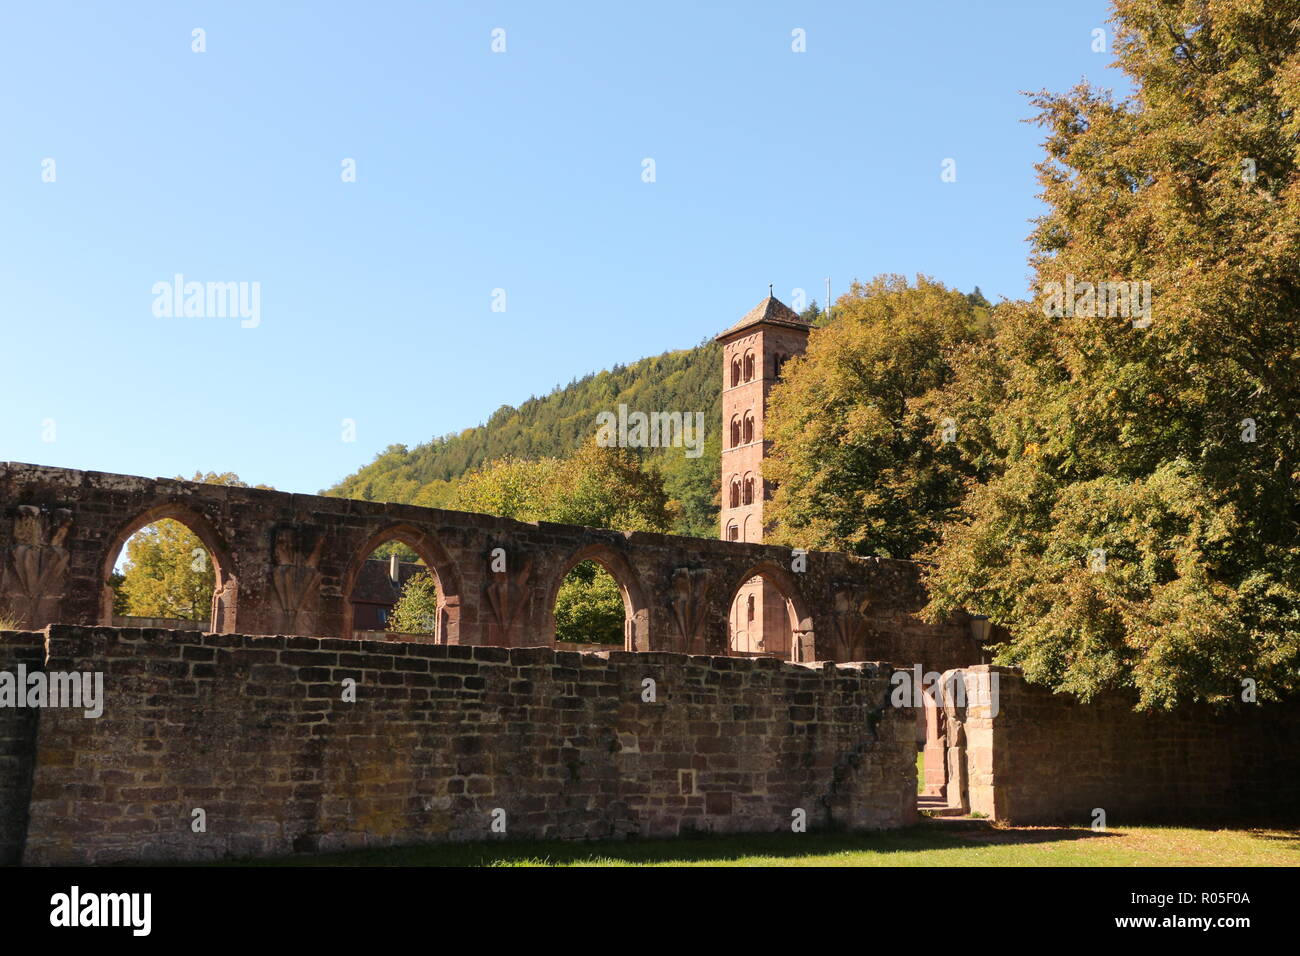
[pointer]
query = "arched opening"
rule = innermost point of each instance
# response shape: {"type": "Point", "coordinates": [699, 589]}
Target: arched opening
{"type": "Point", "coordinates": [931, 760]}
{"type": "Point", "coordinates": [768, 617]}
{"type": "Point", "coordinates": [402, 582]}
{"type": "Point", "coordinates": [168, 568]}
{"type": "Point", "coordinates": [735, 493]}
{"type": "Point", "coordinates": [735, 431]}
{"type": "Point", "coordinates": [749, 490]}
{"type": "Point", "coordinates": [733, 531]}
{"type": "Point", "coordinates": [943, 783]}
{"type": "Point", "coordinates": [735, 372]}
{"type": "Point", "coordinates": [748, 432]}
{"type": "Point", "coordinates": [596, 602]}
{"type": "Point", "coordinates": [749, 366]}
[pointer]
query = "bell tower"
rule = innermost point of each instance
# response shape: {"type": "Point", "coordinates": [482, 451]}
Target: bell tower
{"type": "Point", "coordinates": [753, 353]}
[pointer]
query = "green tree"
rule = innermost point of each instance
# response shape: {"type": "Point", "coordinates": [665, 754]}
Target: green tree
{"type": "Point", "coordinates": [692, 486]}
{"type": "Point", "coordinates": [597, 487]}
{"type": "Point", "coordinates": [860, 460]}
{"type": "Point", "coordinates": [589, 607]}
{"type": "Point", "coordinates": [1140, 529]}
{"type": "Point", "coordinates": [168, 573]}
{"type": "Point", "coordinates": [416, 611]}
{"type": "Point", "coordinates": [115, 581]}
{"type": "Point", "coordinates": [611, 488]}
{"type": "Point", "coordinates": [523, 489]}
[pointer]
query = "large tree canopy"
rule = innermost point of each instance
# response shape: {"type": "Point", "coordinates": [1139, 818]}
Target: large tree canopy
{"type": "Point", "coordinates": [1141, 528]}
{"type": "Point", "coordinates": [859, 463]}
{"type": "Point", "coordinates": [597, 487]}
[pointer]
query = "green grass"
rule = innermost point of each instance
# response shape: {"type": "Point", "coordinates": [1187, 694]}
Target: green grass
{"type": "Point", "coordinates": [929, 844]}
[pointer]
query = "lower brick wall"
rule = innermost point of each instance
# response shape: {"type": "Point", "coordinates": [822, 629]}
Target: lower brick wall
{"type": "Point", "coordinates": [1046, 758]}
{"type": "Point", "coordinates": [17, 744]}
{"type": "Point", "coordinates": [254, 732]}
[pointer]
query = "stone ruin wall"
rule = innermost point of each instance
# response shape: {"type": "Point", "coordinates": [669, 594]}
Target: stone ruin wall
{"type": "Point", "coordinates": [286, 564]}
{"type": "Point", "coordinates": [1045, 758]}
{"type": "Point", "coordinates": [440, 741]}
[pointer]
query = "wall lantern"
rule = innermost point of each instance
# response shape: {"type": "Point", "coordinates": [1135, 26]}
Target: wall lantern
{"type": "Point", "coordinates": [980, 626]}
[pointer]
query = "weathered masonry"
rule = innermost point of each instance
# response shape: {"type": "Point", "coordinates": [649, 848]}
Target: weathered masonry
{"type": "Point", "coordinates": [286, 563]}
{"type": "Point", "coordinates": [1021, 754]}
{"type": "Point", "coordinates": [252, 736]}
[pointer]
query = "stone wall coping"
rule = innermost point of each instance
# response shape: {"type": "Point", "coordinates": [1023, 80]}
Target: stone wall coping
{"type": "Point", "coordinates": [62, 640]}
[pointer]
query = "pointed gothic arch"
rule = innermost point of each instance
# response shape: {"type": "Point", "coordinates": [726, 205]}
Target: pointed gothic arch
{"type": "Point", "coordinates": [435, 557]}
{"type": "Point", "coordinates": [781, 625]}
{"type": "Point", "coordinates": [226, 591]}
{"type": "Point", "coordinates": [636, 608]}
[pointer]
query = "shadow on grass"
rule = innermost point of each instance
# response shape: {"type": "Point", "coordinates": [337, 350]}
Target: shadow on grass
{"type": "Point", "coordinates": [1276, 835]}
{"type": "Point", "coordinates": [721, 848]}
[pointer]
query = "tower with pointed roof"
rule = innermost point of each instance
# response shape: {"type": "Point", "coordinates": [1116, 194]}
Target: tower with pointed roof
{"type": "Point", "coordinates": [754, 350]}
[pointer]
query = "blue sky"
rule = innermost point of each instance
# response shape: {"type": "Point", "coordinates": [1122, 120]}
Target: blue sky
{"type": "Point", "coordinates": [475, 171]}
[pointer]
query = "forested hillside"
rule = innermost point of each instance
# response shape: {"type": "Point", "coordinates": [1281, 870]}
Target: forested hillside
{"type": "Point", "coordinates": [687, 380]}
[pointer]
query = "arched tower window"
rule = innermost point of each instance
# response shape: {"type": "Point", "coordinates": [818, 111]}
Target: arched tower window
{"type": "Point", "coordinates": [749, 366]}
{"type": "Point", "coordinates": [748, 431]}
{"type": "Point", "coordinates": [735, 431]}
{"type": "Point", "coordinates": [749, 490]}
{"type": "Point", "coordinates": [735, 371]}
{"type": "Point", "coordinates": [735, 493]}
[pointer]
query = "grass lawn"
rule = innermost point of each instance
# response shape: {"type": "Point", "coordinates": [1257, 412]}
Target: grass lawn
{"type": "Point", "coordinates": [967, 843]}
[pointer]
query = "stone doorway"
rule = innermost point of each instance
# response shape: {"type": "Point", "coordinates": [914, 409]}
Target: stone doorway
{"type": "Point", "coordinates": [942, 787]}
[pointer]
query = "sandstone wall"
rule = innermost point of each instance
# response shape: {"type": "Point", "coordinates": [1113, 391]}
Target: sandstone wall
{"type": "Point", "coordinates": [254, 731]}
{"type": "Point", "coordinates": [17, 744]}
{"type": "Point", "coordinates": [1046, 758]}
